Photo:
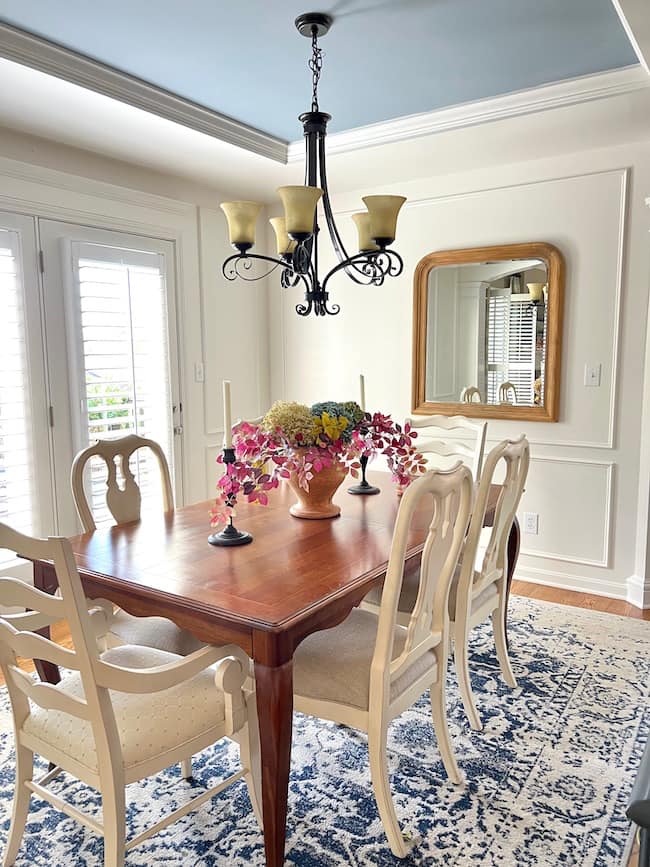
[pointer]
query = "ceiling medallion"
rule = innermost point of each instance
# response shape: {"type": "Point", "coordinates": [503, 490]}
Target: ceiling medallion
{"type": "Point", "coordinates": [297, 232]}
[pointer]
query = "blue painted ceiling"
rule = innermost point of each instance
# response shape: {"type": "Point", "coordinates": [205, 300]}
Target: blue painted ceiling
{"type": "Point", "coordinates": [383, 58]}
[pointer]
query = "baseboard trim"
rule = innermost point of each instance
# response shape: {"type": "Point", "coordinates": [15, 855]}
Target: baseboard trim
{"type": "Point", "coordinates": [577, 583]}
{"type": "Point", "coordinates": [638, 591]}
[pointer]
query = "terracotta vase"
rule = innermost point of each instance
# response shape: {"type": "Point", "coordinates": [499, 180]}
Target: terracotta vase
{"type": "Point", "coordinates": [317, 501]}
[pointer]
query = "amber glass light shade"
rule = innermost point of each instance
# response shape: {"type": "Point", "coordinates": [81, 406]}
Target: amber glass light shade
{"type": "Point", "coordinates": [383, 212]}
{"type": "Point", "coordinates": [536, 291]}
{"type": "Point", "coordinates": [283, 241]}
{"type": "Point", "coordinates": [299, 209]}
{"type": "Point", "coordinates": [362, 222]}
{"type": "Point", "coordinates": [241, 217]}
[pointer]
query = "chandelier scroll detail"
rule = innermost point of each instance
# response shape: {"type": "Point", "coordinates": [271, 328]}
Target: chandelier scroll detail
{"type": "Point", "coordinates": [297, 232]}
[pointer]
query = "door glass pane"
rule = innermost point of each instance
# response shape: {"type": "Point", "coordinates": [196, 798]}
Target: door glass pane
{"type": "Point", "coordinates": [125, 378]}
{"type": "Point", "coordinates": [16, 450]}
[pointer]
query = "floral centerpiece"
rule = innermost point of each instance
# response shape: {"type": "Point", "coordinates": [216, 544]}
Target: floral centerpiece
{"type": "Point", "coordinates": [308, 447]}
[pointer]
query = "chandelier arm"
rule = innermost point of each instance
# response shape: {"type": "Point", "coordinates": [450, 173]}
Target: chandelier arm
{"type": "Point", "coordinates": [374, 266]}
{"type": "Point", "coordinates": [234, 272]}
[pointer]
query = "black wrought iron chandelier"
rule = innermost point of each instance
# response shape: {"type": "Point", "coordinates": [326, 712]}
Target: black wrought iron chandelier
{"type": "Point", "coordinates": [297, 232]}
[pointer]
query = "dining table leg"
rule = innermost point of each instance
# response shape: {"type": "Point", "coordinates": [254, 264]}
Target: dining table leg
{"type": "Point", "coordinates": [514, 543]}
{"type": "Point", "coordinates": [274, 688]}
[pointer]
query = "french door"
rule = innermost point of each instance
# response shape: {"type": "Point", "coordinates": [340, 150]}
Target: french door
{"type": "Point", "coordinates": [26, 494]}
{"type": "Point", "coordinates": [88, 350]}
{"type": "Point", "coordinates": [110, 310]}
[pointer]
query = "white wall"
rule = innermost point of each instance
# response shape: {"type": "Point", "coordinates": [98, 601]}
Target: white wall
{"type": "Point", "coordinates": [585, 474]}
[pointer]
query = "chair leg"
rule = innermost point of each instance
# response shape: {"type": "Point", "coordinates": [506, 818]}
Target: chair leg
{"type": "Point", "coordinates": [186, 768]}
{"type": "Point", "coordinates": [249, 753]}
{"type": "Point", "coordinates": [441, 728]}
{"type": "Point", "coordinates": [113, 803]}
{"type": "Point", "coordinates": [381, 787]}
{"type": "Point", "coordinates": [461, 662]}
{"type": "Point", "coordinates": [501, 643]}
{"type": "Point", "coordinates": [24, 771]}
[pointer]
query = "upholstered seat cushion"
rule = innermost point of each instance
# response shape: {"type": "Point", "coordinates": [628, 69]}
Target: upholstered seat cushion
{"type": "Point", "coordinates": [334, 665]}
{"type": "Point", "coordinates": [153, 632]}
{"type": "Point", "coordinates": [149, 725]}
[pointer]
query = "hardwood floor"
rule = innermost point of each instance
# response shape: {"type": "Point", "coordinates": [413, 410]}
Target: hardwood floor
{"type": "Point", "coordinates": [61, 635]}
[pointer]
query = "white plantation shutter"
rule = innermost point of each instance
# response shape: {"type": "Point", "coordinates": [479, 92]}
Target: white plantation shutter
{"type": "Point", "coordinates": [124, 367]}
{"type": "Point", "coordinates": [521, 349]}
{"type": "Point", "coordinates": [497, 335]}
{"type": "Point", "coordinates": [16, 447]}
{"type": "Point", "coordinates": [510, 344]}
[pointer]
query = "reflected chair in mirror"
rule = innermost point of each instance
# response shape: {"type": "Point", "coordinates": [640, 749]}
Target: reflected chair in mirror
{"type": "Point", "coordinates": [368, 670]}
{"type": "Point", "coordinates": [116, 717]}
{"type": "Point", "coordinates": [124, 503]}
{"type": "Point", "coordinates": [471, 394]}
{"type": "Point", "coordinates": [508, 393]}
{"type": "Point", "coordinates": [441, 450]}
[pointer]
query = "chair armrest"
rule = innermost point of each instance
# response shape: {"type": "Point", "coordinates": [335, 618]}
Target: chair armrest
{"type": "Point", "coordinates": [230, 677]}
{"type": "Point", "coordinates": [146, 680]}
{"type": "Point", "coordinates": [639, 808]}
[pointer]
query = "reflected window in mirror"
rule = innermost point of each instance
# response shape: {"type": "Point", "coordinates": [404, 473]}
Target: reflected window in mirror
{"type": "Point", "coordinates": [487, 330]}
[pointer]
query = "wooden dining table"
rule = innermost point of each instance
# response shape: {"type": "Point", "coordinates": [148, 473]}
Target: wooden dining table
{"type": "Point", "coordinates": [297, 577]}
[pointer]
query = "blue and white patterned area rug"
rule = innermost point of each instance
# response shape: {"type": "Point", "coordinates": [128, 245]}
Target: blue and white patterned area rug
{"type": "Point", "coordinates": [548, 779]}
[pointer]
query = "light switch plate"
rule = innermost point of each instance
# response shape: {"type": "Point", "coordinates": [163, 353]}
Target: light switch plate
{"type": "Point", "coordinates": [199, 371]}
{"type": "Point", "coordinates": [592, 375]}
{"type": "Point", "coordinates": [531, 523]}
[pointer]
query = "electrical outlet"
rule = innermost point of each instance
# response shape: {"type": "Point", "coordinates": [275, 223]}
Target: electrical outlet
{"type": "Point", "coordinates": [199, 371]}
{"type": "Point", "coordinates": [531, 523]}
{"type": "Point", "coordinates": [592, 375]}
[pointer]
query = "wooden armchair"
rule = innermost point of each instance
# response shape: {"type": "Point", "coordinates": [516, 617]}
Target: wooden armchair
{"type": "Point", "coordinates": [117, 717]}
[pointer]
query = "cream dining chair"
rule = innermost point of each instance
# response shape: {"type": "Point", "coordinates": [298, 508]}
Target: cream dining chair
{"type": "Point", "coordinates": [478, 588]}
{"type": "Point", "coordinates": [366, 671]}
{"type": "Point", "coordinates": [114, 718]}
{"type": "Point", "coordinates": [124, 503]}
{"type": "Point", "coordinates": [441, 450]}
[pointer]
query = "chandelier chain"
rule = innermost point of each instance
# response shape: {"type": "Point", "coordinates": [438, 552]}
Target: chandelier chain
{"type": "Point", "coordinates": [316, 65]}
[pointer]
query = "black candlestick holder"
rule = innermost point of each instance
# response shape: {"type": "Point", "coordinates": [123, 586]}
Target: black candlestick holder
{"type": "Point", "coordinates": [363, 487]}
{"type": "Point", "coordinates": [231, 535]}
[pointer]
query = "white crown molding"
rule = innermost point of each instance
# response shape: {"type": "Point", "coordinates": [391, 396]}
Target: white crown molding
{"type": "Point", "coordinates": [45, 56]}
{"type": "Point", "coordinates": [563, 93]}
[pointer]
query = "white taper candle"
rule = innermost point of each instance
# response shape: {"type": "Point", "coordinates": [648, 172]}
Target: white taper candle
{"type": "Point", "coordinates": [362, 392]}
{"type": "Point", "coordinates": [227, 416]}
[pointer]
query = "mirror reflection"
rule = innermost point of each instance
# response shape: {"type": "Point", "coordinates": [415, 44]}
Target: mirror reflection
{"type": "Point", "coordinates": [486, 335]}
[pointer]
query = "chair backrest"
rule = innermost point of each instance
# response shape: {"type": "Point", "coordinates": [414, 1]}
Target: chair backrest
{"type": "Point", "coordinates": [507, 392]}
{"type": "Point", "coordinates": [450, 493]}
{"type": "Point", "coordinates": [17, 638]}
{"type": "Point", "coordinates": [123, 502]}
{"type": "Point", "coordinates": [515, 454]}
{"type": "Point", "coordinates": [432, 440]}
{"type": "Point", "coordinates": [471, 394]}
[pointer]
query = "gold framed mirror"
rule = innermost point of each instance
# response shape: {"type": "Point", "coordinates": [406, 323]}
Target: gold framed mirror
{"type": "Point", "coordinates": [487, 332]}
